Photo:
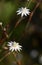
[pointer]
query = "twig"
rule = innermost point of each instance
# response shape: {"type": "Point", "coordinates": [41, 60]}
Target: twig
{"type": "Point", "coordinates": [28, 23]}
{"type": "Point", "coordinates": [27, 26]}
{"type": "Point", "coordinates": [17, 23]}
{"type": "Point", "coordinates": [4, 30]}
{"type": "Point", "coordinates": [2, 40]}
{"type": "Point", "coordinates": [18, 61]}
{"type": "Point", "coordinates": [4, 33]}
{"type": "Point", "coordinates": [4, 56]}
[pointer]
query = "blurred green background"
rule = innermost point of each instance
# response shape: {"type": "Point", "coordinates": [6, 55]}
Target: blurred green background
{"type": "Point", "coordinates": [30, 40]}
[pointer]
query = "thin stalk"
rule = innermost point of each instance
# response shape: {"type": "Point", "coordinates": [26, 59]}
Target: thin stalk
{"type": "Point", "coordinates": [5, 56]}
{"type": "Point", "coordinates": [18, 61]}
{"type": "Point", "coordinates": [4, 33]}
{"type": "Point", "coordinates": [28, 3]}
{"type": "Point", "coordinates": [28, 23]}
{"type": "Point", "coordinates": [18, 21]}
{"type": "Point", "coordinates": [4, 30]}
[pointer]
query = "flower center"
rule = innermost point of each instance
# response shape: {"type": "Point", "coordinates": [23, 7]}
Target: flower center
{"type": "Point", "coordinates": [14, 44]}
{"type": "Point", "coordinates": [23, 10]}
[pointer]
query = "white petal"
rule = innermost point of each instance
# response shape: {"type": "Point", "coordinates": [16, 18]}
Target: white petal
{"type": "Point", "coordinates": [18, 13]}
{"type": "Point", "coordinates": [22, 14]}
{"type": "Point", "coordinates": [10, 48]}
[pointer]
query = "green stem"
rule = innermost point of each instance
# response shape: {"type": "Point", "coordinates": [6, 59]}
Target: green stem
{"type": "Point", "coordinates": [28, 3]}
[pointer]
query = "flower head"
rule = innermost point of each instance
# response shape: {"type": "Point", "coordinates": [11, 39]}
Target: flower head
{"type": "Point", "coordinates": [13, 46]}
{"type": "Point", "coordinates": [1, 23]}
{"type": "Point", "coordinates": [23, 11]}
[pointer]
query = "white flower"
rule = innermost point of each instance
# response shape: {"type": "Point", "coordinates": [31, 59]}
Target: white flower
{"type": "Point", "coordinates": [13, 46]}
{"type": "Point", "coordinates": [1, 23]}
{"type": "Point", "coordinates": [23, 11]}
{"type": "Point", "coordinates": [40, 59]}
